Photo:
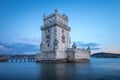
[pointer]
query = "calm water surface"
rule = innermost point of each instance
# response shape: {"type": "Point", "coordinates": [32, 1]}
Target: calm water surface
{"type": "Point", "coordinates": [96, 69]}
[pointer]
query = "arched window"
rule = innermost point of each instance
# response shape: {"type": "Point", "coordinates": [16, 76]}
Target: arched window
{"type": "Point", "coordinates": [48, 45]}
{"type": "Point", "coordinates": [48, 36]}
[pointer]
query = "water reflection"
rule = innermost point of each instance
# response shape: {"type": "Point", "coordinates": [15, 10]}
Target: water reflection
{"type": "Point", "coordinates": [69, 71]}
{"type": "Point", "coordinates": [47, 71]}
{"type": "Point", "coordinates": [62, 72]}
{"type": "Point", "coordinates": [96, 69]}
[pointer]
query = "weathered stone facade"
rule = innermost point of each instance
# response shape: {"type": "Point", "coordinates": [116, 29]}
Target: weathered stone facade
{"type": "Point", "coordinates": [55, 44]}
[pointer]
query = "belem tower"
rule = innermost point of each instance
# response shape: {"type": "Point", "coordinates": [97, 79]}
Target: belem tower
{"type": "Point", "coordinates": [55, 44]}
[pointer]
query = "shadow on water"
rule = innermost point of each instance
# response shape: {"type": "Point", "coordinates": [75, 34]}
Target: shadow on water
{"type": "Point", "coordinates": [96, 69]}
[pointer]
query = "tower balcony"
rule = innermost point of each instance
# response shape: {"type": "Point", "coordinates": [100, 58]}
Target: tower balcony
{"type": "Point", "coordinates": [55, 23]}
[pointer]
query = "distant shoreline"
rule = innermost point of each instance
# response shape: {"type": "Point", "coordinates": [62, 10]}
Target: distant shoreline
{"type": "Point", "coordinates": [105, 55]}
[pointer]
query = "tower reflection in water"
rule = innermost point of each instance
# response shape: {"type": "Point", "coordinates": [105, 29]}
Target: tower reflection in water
{"type": "Point", "coordinates": [64, 71]}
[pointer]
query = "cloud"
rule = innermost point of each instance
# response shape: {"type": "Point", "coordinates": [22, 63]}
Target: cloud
{"type": "Point", "coordinates": [2, 49]}
{"type": "Point", "coordinates": [18, 48]}
{"type": "Point", "coordinates": [25, 39]}
{"type": "Point", "coordinates": [93, 46]}
{"type": "Point", "coordinates": [86, 44]}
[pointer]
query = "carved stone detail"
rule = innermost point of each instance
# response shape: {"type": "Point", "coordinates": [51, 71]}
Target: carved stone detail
{"type": "Point", "coordinates": [63, 39]}
{"type": "Point", "coordinates": [41, 46]}
{"type": "Point", "coordinates": [56, 43]}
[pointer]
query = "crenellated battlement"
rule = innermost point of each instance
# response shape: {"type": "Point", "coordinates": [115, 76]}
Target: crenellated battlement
{"type": "Point", "coordinates": [55, 18]}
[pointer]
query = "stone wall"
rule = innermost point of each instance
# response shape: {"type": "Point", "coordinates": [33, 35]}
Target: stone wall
{"type": "Point", "coordinates": [47, 56]}
{"type": "Point", "coordinates": [62, 33]}
{"type": "Point", "coordinates": [48, 43]}
{"type": "Point", "coordinates": [61, 55]}
{"type": "Point", "coordinates": [82, 54]}
{"type": "Point", "coordinates": [77, 54]}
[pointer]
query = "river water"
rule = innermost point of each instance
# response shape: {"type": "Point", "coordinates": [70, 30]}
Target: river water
{"type": "Point", "coordinates": [96, 69]}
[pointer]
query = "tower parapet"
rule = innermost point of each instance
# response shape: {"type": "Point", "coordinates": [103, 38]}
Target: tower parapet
{"type": "Point", "coordinates": [55, 19]}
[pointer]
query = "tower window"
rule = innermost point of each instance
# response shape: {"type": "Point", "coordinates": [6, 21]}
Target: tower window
{"type": "Point", "coordinates": [48, 45]}
{"type": "Point", "coordinates": [62, 31]}
{"type": "Point", "coordinates": [48, 36]}
{"type": "Point", "coordinates": [48, 30]}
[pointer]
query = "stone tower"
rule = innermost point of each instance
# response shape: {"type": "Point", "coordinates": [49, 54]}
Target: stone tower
{"type": "Point", "coordinates": [55, 37]}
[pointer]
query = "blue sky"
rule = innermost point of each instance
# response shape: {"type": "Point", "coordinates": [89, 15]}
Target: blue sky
{"type": "Point", "coordinates": [93, 22]}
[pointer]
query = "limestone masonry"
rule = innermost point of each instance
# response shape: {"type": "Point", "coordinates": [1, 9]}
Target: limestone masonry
{"type": "Point", "coordinates": [55, 44]}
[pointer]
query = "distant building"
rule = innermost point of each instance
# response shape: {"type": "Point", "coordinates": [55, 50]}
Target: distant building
{"type": "Point", "coordinates": [55, 44]}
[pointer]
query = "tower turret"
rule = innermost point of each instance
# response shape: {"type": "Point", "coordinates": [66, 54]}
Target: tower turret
{"type": "Point", "coordinates": [89, 50]}
{"type": "Point", "coordinates": [74, 45]}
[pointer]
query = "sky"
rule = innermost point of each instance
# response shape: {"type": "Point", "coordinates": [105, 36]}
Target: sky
{"type": "Point", "coordinates": [94, 23]}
